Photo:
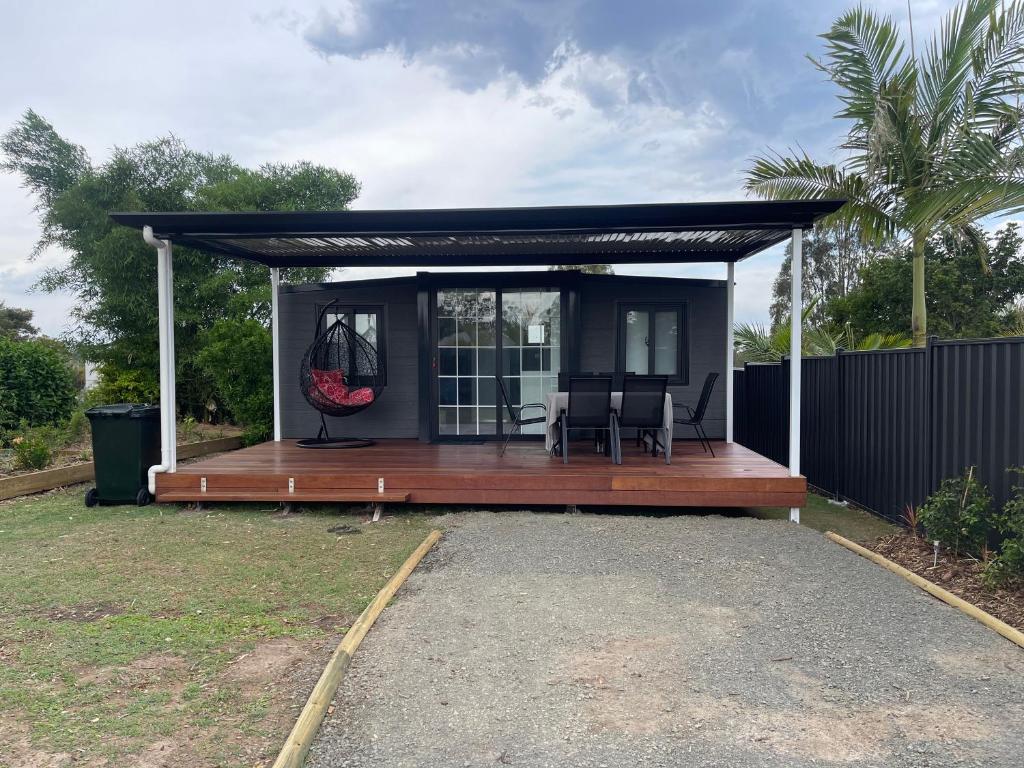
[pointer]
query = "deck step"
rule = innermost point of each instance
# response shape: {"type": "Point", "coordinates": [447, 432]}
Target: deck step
{"type": "Point", "coordinates": [390, 497]}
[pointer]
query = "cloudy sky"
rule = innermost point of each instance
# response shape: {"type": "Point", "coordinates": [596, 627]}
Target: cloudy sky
{"type": "Point", "coordinates": [435, 103]}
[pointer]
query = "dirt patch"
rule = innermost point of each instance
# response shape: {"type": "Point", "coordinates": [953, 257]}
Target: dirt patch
{"type": "Point", "coordinates": [16, 750]}
{"type": "Point", "coordinates": [161, 669]}
{"type": "Point", "coordinates": [643, 686]}
{"type": "Point", "coordinates": [962, 576]}
{"type": "Point", "coordinates": [83, 612]}
{"type": "Point", "coordinates": [269, 663]}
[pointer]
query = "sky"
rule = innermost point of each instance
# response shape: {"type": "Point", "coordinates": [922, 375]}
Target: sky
{"type": "Point", "coordinates": [435, 103]}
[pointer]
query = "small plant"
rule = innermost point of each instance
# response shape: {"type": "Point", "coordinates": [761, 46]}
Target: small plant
{"type": "Point", "coordinates": [189, 429]}
{"type": "Point", "coordinates": [959, 514]}
{"type": "Point", "coordinates": [34, 448]}
{"type": "Point", "coordinates": [77, 426]}
{"type": "Point", "coordinates": [911, 519]}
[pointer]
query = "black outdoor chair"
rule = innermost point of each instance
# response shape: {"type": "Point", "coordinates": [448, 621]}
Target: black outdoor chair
{"type": "Point", "coordinates": [590, 408]}
{"type": "Point", "coordinates": [516, 414]}
{"type": "Point", "coordinates": [616, 376]}
{"type": "Point", "coordinates": [643, 409]}
{"type": "Point", "coordinates": [696, 415]}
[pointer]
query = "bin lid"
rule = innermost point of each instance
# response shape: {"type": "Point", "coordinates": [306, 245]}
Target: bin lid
{"type": "Point", "coordinates": [124, 410]}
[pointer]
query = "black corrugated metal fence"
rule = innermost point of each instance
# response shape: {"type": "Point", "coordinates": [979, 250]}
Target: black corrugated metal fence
{"type": "Point", "coordinates": [883, 429]}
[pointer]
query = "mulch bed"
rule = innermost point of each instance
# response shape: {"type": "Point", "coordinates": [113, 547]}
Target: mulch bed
{"type": "Point", "coordinates": [961, 577]}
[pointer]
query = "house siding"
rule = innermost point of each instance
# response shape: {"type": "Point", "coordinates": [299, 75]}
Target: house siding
{"type": "Point", "coordinates": [395, 413]}
{"type": "Point", "coordinates": [706, 308]}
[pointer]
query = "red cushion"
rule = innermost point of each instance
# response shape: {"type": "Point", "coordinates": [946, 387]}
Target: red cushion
{"type": "Point", "coordinates": [361, 396]}
{"type": "Point", "coordinates": [326, 378]}
{"type": "Point", "coordinates": [342, 395]}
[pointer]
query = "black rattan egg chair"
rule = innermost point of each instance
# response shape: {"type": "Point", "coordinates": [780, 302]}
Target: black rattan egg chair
{"type": "Point", "coordinates": [341, 375]}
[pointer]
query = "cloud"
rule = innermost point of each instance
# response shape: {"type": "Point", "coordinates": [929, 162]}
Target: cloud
{"type": "Point", "coordinates": [435, 103]}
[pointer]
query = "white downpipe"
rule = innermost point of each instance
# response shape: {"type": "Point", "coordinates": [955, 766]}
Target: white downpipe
{"type": "Point", "coordinates": [275, 334]}
{"type": "Point", "coordinates": [730, 279]}
{"type": "Point", "coordinates": [795, 347]}
{"type": "Point", "coordinates": [165, 323]}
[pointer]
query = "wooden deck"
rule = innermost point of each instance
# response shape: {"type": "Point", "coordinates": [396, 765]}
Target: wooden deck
{"type": "Point", "coordinates": [421, 473]}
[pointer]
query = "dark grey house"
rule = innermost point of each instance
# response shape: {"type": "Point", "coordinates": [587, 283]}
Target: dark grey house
{"type": "Point", "coordinates": [443, 336]}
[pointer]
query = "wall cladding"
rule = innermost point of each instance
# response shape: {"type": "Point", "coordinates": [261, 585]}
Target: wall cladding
{"type": "Point", "coordinates": [884, 428]}
{"type": "Point", "coordinates": [706, 318]}
{"type": "Point", "coordinates": [395, 413]}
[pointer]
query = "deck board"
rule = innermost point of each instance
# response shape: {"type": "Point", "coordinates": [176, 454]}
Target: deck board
{"type": "Point", "coordinates": [475, 474]}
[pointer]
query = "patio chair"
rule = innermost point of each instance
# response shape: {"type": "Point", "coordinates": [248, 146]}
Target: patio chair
{"type": "Point", "coordinates": [590, 408]}
{"type": "Point", "coordinates": [516, 414]}
{"type": "Point", "coordinates": [643, 409]}
{"type": "Point", "coordinates": [695, 417]}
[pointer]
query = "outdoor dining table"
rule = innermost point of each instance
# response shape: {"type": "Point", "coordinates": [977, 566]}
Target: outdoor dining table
{"type": "Point", "coordinates": [559, 400]}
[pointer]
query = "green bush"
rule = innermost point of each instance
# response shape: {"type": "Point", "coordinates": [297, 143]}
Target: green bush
{"type": "Point", "coordinates": [77, 426]}
{"type": "Point", "coordinates": [237, 355]}
{"type": "Point", "coordinates": [1008, 564]}
{"type": "Point", "coordinates": [33, 449]}
{"type": "Point", "coordinates": [37, 384]}
{"type": "Point", "coordinates": [123, 385]}
{"type": "Point", "coordinates": [959, 514]}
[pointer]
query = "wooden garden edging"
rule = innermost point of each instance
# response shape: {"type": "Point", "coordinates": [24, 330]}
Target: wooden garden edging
{"type": "Point", "coordinates": [293, 754]}
{"type": "Point", "coordinates": [44, 480]}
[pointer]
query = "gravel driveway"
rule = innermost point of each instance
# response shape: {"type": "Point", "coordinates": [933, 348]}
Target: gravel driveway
{"type": "Point", "coordinates": [581, 640]}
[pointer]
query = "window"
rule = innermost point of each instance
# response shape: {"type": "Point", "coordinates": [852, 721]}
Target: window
{"type": "Point", "coordinates": [652, 340]}
{"type": "Point", "coordinates": [368, 322]}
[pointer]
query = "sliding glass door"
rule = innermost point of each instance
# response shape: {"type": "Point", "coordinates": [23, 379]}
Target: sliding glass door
{"type": "Point", "coordinates": [530, 339]}
{"type": "Point", "coordinates": [469, 346]}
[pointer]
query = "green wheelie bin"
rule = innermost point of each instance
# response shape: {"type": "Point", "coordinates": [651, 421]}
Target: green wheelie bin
{"type": "Point", "coordinates": [125, 444]}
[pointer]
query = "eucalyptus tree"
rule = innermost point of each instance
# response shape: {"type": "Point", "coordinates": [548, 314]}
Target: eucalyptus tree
{"type": "Point", "coordinates": [936, 140]}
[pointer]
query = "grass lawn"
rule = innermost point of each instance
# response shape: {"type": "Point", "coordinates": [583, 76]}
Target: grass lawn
{"type": "Point", "coordinates": [175, 637]}
{"type": "Point", "coordinates": [855, 524]}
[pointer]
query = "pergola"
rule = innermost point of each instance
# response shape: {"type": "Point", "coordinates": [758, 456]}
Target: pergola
{"type": "Point", "coordinates": [481, 237]}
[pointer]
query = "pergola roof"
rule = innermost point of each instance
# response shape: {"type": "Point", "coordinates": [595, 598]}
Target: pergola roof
{"type": "Point", "coordinates": [467, 237]}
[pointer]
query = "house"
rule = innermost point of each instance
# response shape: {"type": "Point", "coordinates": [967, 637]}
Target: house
{"type": "Point", "coordinates": [531, 325]}
{"type": "Point", "coordinates": [442, 336]}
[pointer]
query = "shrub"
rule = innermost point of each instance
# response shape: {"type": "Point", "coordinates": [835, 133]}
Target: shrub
{"type": "Point", "coordinates": [37, 384]}
{"type": "Point", "coordinates": [123, 385]}
{"type": "Point", "coordinates": [1008, 565]}
{"type": "Point", "coordinates": [237, 355]}
{"type": "Point", "coordinates": [959, 514]}
{"type": "Point", "coordinates": [77, 426]}
{"type": "Point", "coordinates": [33, 449]}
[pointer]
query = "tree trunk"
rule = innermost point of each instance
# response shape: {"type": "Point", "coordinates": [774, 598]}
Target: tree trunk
{"type": "Point", "coordinates": [919, 315]}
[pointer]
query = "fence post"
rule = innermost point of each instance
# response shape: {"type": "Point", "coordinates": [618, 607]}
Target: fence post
{"type": "Point", "coordinates": [839, 425]}
{"type": "Point", "coordinates": [927, 452]}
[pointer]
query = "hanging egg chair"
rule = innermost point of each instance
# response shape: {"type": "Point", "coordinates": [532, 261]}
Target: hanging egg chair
{"type": "Point", "coordinates": [341, 374]}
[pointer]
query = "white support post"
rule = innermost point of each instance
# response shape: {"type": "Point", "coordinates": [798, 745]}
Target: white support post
{"type": "Point", "coordinates": [795, 347]}
{"type": "Point", "coordinates": [275, 333]}
{"type": "Point", "coordinates": [165, 329]}
{"type": "Point", "coordinates": [172, 371]}
{"type": "Point", "coordinates": [730, 280]}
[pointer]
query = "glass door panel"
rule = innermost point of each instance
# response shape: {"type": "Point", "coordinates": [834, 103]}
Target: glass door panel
{"type": "Point", "coordinates": [531, 353]}
{"type": "Point", "coordinates": [466, 352]}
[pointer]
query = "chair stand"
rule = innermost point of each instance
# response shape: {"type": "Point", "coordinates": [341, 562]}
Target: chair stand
{"type": "Point", "coordinates": [323, 439]}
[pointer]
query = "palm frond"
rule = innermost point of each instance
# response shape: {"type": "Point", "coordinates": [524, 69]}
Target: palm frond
{"type": "Point", "coordinates": [997, 69]}
{"type": "Point", "coordinates": [960, 203]}
{"type": "Point", "coordinates": [864, 54]}
{"type": "Point", "coordinates": [881, 341]}
{"type": "Point", "coordinates": [947, 65]}
{"type": "Point", "coordinates": [778, 177]}
{"type": "Point", "coordinates": [755, 343]}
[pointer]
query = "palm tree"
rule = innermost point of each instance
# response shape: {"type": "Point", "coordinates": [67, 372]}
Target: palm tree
{"type": "Point", "coordinates": [936, 141]}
